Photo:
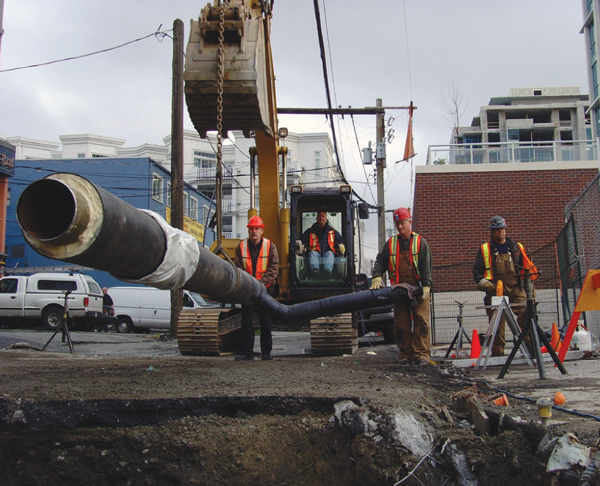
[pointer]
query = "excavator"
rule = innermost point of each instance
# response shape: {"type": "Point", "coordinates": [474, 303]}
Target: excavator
{"type": "Point", "coordinates": [229, 85]}
{"type": "Point", "coordinates": [228, 58]}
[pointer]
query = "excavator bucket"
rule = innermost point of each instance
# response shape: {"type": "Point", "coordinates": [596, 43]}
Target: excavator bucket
{"type": "Point", "coordinates": [245, 84]}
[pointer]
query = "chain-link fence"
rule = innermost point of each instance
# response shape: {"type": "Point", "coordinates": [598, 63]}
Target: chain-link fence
{"type": "Point", "coordinates": [578, 250]}
{"type": "Point", "coordinates": [446, 308]}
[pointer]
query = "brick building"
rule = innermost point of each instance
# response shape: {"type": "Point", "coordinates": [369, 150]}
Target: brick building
{"type": "Point", "coordinates": [524, 157]}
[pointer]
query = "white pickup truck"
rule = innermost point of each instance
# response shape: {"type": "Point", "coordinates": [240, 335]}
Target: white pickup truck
{"type": "Point", "coordinates": [27, 299]}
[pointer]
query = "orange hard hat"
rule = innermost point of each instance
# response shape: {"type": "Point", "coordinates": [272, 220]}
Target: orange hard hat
{"type": "Point", "coordinates": [402, 213]}
{"type": "Point", "coordinates": [255, 222]}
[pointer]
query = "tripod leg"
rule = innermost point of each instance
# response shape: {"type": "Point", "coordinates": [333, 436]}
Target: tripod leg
{"type": "Point", "coordinates": [551, 351]}
{"type": "Point", "coordinates": [67, 334]}
{"type": "Point", "coordinates": [535, 344]}
{"type": "Point", "coordinates": [49, 340]}
{"type": "Point", "coordinates": [451, 346]}
{"type": "Point", "coordinates": [514, 350]}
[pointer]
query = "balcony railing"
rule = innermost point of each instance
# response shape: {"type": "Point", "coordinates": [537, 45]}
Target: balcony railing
{"type": "Point", "coordinates": [512, 152]}
{"type": "Point", "coordinates": [208, 173]}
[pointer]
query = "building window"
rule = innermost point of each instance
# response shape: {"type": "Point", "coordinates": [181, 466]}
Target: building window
{"type": "Point", "coordinates": [157, 188]}
{"type": "Point", "coordinates": [317, 159]}
{"type": "Point", "coordinates": [194, 208]}
{"type": "Point", "coordinates": [205, 215]}
{"type": "Point", "coordinates": [169, 194]}
{"type": "Point", "coordinates": [204, 160]}
{"type": "Point", "coordinates": [81, 156]}
{"type": "Point", "coordinates": [186, 204]}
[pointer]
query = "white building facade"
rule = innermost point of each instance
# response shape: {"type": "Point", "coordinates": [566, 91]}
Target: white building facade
{"type": "Point", "coordinates": [310, 162]}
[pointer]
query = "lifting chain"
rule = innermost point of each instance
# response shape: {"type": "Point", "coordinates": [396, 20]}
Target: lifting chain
{"type": "Point", "coordinates": [219, 172]}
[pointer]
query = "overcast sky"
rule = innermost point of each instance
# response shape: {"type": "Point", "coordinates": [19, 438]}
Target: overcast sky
{"type": "Point", "coordinates": [396, 50]}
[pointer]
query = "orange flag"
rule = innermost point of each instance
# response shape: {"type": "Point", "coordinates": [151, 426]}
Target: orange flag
{"type": "Point", "coordinates": [409, 149]}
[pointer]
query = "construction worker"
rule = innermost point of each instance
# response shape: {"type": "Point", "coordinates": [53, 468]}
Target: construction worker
{"type": "Point", "coordinates": [321, 242]}
{"type": "Point", "coordinates": [257, 256]}
{"type": "Point", "coordinates": [501, 260]}
{"type": "Point", "coordinates": [407, 259]}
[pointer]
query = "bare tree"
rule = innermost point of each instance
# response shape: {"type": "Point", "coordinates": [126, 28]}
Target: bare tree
{"type": "Point", "coordinates": [454, 105]}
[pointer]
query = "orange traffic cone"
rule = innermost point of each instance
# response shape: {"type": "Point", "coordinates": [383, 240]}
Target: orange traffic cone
{"type": "Point", "coordinates": [554, 340]}
{"type": "Point", "coordinates": [475, 345]}
{"type": "Point", "coordinates": [502, 401]}
{"type": "Point", "coordinates": [555, 336]}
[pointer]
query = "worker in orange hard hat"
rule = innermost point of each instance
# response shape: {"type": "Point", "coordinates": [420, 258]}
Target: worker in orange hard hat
{"type": "Point", "coordinates": [257, 256]}
{"type": "Point", "coordinates": [407, 259]}
{"type": "Point", "coordinates": [505, 260]}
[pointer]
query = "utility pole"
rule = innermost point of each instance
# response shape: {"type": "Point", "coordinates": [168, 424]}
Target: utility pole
{"type": "Point", "coordinates": [380, 165]}
{"type": "Point", "coordinates": [177, 156]}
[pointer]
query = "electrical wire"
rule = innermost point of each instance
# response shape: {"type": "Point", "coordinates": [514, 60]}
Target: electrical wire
{"type": "Point", "coordinates": [160, 35]}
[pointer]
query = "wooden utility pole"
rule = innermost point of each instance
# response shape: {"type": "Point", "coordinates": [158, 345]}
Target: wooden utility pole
{"type": "Point", "coordinates": [177, 156]}
{"type": "Point", "coordinates": [380, 165]}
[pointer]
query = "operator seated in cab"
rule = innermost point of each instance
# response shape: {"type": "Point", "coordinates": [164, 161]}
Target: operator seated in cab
{"type": "Point", "coordinates": [322, 243]}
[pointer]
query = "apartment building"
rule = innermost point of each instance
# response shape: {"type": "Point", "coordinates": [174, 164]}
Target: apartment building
{"type": "Point", "coordinates": [591, 10]}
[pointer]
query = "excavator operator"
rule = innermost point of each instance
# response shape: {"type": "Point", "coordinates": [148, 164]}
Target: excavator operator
{"type": "Point", "coordinates": [321, 242]}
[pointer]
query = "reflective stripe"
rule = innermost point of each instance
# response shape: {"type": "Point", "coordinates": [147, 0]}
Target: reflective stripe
{"type": "Point", "coordinates": [527, 264]}
{"type": "Point", "coordinates": [263, 258]}
{"type": "Point", "coordinates": [393, 250]}
{"type": "Point", "coordinates": [486, 252]}
{"type": "Point", "coordinates": [313, 244]}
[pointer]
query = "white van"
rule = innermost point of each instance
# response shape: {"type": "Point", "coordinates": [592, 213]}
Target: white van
{"type": "Point", "coordinates": [147, 307]}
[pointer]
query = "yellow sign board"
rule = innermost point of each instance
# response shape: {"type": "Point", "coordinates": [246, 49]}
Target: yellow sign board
{"type": "Point", "coordinates": [589, 299]}
{"type": "Point", "coordinates": [190, 226]}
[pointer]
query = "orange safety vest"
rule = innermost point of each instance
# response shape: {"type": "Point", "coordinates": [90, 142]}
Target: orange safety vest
{"type": "Point", "coordinates": [263, 258]}
{"type": "Point", "coordinates": [313, 244]}
{"type": "Point", "coordinates": [394, 250]}
{"type": "Point", "coordinates": [486, 252]}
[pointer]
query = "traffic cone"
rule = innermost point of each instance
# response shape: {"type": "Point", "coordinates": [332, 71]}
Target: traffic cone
{"type": "Point", "coordinates": [555, 341]}
{"type": "Point", "coordinates": [475, 345]}
{"type": "Point", "coordinates": [502, 401]}
{"type": "Point", "coordinates": [555, 336]}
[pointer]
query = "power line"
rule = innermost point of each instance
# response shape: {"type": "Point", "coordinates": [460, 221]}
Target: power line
{"type": "Point", "coordinates": [160, 35]}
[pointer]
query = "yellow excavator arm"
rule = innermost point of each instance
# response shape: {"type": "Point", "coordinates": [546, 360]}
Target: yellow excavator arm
{"type": "Point", "coordinates": [239, 31]}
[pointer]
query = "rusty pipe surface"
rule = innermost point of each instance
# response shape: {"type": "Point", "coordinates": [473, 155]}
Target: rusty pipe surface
{"type": "Point", "coordinates": [66, 217]}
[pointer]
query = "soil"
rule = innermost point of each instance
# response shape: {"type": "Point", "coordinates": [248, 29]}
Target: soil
{"type": "Point", "coordinates": [170, 420]}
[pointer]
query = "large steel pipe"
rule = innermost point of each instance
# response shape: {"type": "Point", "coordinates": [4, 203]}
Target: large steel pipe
{"type": "Point", "coordinates": [68, 218]}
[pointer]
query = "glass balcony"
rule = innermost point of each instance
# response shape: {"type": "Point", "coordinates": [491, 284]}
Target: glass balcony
{"type": "Point", "coordinates": [513, 152]}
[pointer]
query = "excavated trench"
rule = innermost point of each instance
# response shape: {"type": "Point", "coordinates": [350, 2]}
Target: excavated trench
{"type": "Point", "coordinates": [246, 440]}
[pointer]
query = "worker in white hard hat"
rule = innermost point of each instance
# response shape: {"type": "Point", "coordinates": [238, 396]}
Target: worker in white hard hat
{"type": "Point", "coordinates": [407, 259]}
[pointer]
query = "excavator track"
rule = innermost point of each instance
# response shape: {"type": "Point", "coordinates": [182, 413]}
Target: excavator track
{"type": "Point", "coordinates": [209, 332]}
{"type": "Point", "coordinates": [334, 335]}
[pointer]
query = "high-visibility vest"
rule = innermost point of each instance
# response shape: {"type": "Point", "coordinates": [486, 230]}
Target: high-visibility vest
{"type": "Point", "coordinates": [486, 252]}
{"type": "Point", "coordinates": [263, 258]}
{"type": "Point", "coordinates": [313, 244]}
{"type": "Point", "coordinates": [415, 247]}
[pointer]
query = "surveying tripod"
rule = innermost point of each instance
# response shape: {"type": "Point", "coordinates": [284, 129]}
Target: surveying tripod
{"type": "Point", "coordinates": [535, 332]}
{"type": "Point", "coordinates": [64, 326]}
{"type": "Point", "coordinates": [459, 334]}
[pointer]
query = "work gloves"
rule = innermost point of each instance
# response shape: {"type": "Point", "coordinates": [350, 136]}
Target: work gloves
{"type": "Point", "coordinates": [376, 283]}
{"type": "Point", "coordinates": [426, 293]}
{"type": "Point", "coordinates": [341, 249]}
{"type": "Point", "coordinates": [487, 286]}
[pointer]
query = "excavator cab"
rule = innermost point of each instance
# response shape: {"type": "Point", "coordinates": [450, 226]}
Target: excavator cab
{"type": "Point", "coordinates": [313, 275]}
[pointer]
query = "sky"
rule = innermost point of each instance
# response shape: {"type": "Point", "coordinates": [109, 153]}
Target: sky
{"type": "Point", "coordinates": [396, 50]}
